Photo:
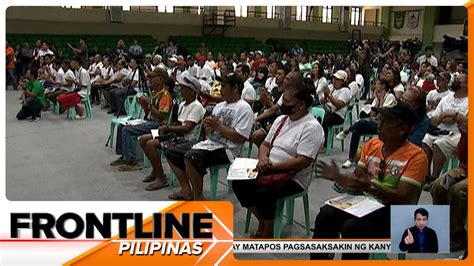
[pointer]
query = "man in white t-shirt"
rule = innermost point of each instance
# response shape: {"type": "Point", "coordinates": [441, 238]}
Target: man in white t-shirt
{"type": "Point", "coordinates": [204, 71]}
{"type": "Point", "coordinates": [434, 96]}
{"type": "Point", "coordinates": [428, 56]}
{"type": "Point", "coordinates": [336, 99]}
{"type": "Point", "coordinates": [190, 115]}
{"type": "Point", "coordinates": [248, 93]}
{"type": "Point", "coordinates": [440, 145]}
{"type": "Point", "coordinates": [192, 67]}
{"type": "Point", "coordinates": [64, 81]}
{"type": "Point", "coordinates": [270, 83]}
{"type": "Point", "coordinates": [82, 83]}
{"type": "Point", "coordinates": [210, 60]}
{"type": "Point", "coordinates": [44, 50]}
{"type": "Point", "coordinates": [227, 129]}
{"type": "Point", "coordinates": [128, 87]}
{"type": "Point", "coordinates": [95, 67]}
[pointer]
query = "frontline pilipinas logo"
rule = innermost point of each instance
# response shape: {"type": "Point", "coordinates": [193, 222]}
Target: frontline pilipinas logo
{"type": "Point", "coordinates": [185, 233]}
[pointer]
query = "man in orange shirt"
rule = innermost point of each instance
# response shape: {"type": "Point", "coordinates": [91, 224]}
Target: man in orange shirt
{"type": "Point", "coordinates": [157, 109]}
{"type": "Point", "coordinates": [391, 170]}
{"type": "Point", "coordinates": [10, 67]}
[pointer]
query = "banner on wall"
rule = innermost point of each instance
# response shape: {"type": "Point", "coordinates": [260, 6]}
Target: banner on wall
{"type": "Point", "coordinates": [398, 19]}
{"type": "Point", "coordinates": [413, 17]}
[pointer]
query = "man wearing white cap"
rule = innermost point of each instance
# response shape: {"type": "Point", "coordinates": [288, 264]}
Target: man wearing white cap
{"type": "Point", "coordinates": [190, 114]}
{"type": "Point", "coordinates": [172, 61]}
{"type": "Point", "coordinates": [336, 98]}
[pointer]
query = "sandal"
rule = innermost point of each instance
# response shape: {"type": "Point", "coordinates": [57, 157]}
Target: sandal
{"type": "Point", "coordinates": [149, 178]}
{"type": "Point", "coordinates": [129, 167]}
{"type": "Point", "coordinates": [256, 234]}
{"type": "Point", "coordinates": [117, 162]}
{"type": "Point", "coordinates": [179, 196]}
{"type": "Point", "coordinates": [156, 186]}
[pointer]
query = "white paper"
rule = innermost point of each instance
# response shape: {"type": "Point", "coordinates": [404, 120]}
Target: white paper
{"type": "Point", "coordinates": [243, 169]}
{"type": "Point", "coordinates": [134, 122]}
{"type": "Point", "coordinates": [207, 145]}
{"type": "Point", "coordinates": [356, 205]}
{"type": "Point", "coordinates": [155, 133]}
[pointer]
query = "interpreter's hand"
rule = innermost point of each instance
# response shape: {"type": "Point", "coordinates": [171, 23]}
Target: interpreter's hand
{"type": "Point", "coordinates": [409, 238]}
{"type": "Point", "coordinates": [328, 171]}
{"type": "Point", "coordinates": [212, 122]}
{"type": "Point", "coordinates": [264, 165]}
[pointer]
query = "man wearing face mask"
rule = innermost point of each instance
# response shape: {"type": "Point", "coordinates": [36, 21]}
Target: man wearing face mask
{"type": "Point", "coordinates": [440, 144]}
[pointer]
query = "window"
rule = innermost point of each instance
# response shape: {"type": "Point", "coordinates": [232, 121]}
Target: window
{"type": "Point", "coordinates": [271, 12]}
{"type": "Point", "coordinates": [241, 11]}
{"type": "Point", "coordinates": [355, 16]}
{"type": "Point", "coordinates": [327, 14]}
{"type": "Point", "coordinates": [301, 13]}
{"type": "Point", "coordinates": [166, 9]}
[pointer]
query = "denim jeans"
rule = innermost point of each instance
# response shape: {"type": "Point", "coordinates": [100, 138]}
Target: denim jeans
{"type": "Point", "coordinates": [11, 79]}
{"type": "Point", "coordinates": [127, 138]}
{"type": "Point", "coordinates": [117, 98]}
{"type": "Point", "coordinates": [359, 128]}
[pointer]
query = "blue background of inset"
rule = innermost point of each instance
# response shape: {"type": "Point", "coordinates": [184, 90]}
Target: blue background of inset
{"type": "Point", "coordinates": [438, 220]}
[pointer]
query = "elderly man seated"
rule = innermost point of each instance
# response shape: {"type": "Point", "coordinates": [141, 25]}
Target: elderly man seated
{"type": "Point", "coordinates": [391, 170]}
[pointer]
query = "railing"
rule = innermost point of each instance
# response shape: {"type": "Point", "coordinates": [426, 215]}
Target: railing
{"type": "Point", "coordinates": [214, 18]}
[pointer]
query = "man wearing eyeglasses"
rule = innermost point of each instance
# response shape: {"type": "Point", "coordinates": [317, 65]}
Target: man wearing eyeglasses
{"type": "Point", "coordinates": [391, 169]}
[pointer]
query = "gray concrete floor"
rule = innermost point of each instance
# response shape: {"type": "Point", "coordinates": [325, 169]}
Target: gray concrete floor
{"type": "Point", "coordinates": [59, 159]}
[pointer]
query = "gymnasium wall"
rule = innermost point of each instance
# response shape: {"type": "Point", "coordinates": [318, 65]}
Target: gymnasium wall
{"type": "Point", "coordinates": [161, 25]}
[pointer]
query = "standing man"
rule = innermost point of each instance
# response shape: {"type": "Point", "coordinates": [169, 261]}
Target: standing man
{"type": "Point", "coordinates": [428, 57]}
{"type": "Point", "coordinates": [419, 238]}
{"type": "Point", "coordinates": [10, 53]}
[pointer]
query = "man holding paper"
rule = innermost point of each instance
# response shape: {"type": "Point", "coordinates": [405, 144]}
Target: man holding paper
{"type": "Point", "coordinates": [156, 111]}
{"type": "Point", "coordinates": [391, 170]}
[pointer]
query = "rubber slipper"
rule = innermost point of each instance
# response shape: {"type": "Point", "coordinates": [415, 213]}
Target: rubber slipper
{"type": "Point", "coordinates": [149, 178]}
{"type": "Point", "coordinates": [156, 186]}
{"type": "Point", "coordinates": [179, 196]}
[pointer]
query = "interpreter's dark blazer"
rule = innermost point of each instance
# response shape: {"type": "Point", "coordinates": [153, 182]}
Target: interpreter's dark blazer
{"type": "Point", "coordinates": [430, 245]}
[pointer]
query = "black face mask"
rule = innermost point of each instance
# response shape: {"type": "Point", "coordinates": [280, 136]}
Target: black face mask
{"type": "Point", "coordinates": [456, 85]}
{"type": "Point", "coordinates": [287, 109]}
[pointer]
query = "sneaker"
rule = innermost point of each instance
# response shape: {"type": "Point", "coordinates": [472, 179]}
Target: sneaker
{"type": "Point", "coordinates": [347, 164]}
{"type": "Point", "coordinates": [341, 135]}
{"type": "Point", "coordinates": [78, 117]}
{"type": "Point", "coordinates": [35, 119]}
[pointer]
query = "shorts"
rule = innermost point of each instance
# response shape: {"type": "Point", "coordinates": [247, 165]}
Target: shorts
{"type": "Point", "coordinates": [202, 159]}
{"type": "Point", "coordinates": [447, 144]}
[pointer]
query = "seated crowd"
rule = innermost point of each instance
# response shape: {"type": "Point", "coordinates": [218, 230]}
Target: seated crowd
{"type": "Point", "coordinates": [415, 115]}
